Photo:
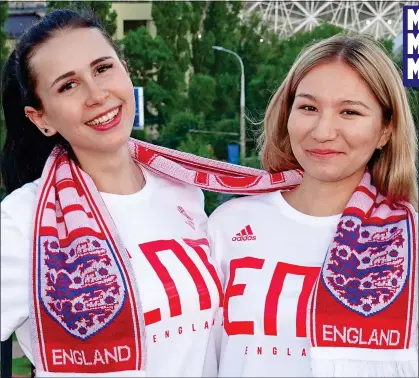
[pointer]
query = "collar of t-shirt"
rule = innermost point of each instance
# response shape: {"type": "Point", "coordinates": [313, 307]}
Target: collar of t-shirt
{"type": "Point", "coordinates": [151, 182]}
{"type": "Point", "coordinates": [300, 217]}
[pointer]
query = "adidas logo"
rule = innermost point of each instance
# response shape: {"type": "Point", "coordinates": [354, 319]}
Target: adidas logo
{"type": "Point", "coordinates": [244, 235]}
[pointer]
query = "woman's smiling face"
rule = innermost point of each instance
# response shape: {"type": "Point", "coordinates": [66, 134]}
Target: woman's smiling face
{"type": "Point", "coordinates": [85, 91]}
{"type": "Point", "coordinates": [336, 123]}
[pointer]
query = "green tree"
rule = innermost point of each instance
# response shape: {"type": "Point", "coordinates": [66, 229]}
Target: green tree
{"type": "Point", "coordinates": [177, 130]}
{"type": "Point", "coordinates": [3, 34]}
{"type": "Point", "coordinates": [173, 23]}
{"type": "Point", "coordinates": [266, 58]}
{"type": "Point", "coordinates": [151, 66]}
{"type": "Point", "coordinates": [208, 82]}
{"type": "Point", "coordinates": [190, 29]}
{"type": "Point", "coordinates": [212, 77]}
{"type": "Point", "coordinates": [3, 57]}
{"type": "Point", "coordinates": [220, 26]}
{"type": "Point", "coordinates": [192, 145]}
{"type": "Point", "coordinates": [103, 10]}
{"type": "Point", "coordinates": [225, 131]}
{"type": "Point", "coordinates": [202, 93]}
{"type": "Point", "coordinates": [413, 95]}
{"type": "Point", "coordinates": [279, 56]}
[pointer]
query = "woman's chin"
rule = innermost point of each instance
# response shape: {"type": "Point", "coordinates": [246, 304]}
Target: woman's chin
{"type": "Point", "coordinates": [326, 174]}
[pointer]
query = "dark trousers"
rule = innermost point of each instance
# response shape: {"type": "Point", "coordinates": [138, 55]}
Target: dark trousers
{"type": "Point", "coordinates": [7, 359]}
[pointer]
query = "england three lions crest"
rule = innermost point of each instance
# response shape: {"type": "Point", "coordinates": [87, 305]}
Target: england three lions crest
{"type": "Point", "coordinates": [81, 285]}
{"type": "Point", "coordinates": [368, 264]}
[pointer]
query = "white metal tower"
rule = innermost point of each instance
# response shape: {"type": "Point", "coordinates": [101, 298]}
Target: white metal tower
{"type": "Point", "coordinates": [381, 19]}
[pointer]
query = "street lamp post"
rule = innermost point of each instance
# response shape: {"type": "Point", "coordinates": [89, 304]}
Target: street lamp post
{"type": "Point", "coordinates": [242, 104]}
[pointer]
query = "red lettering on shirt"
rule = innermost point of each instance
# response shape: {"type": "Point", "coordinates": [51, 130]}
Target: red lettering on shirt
{"type": "Point", "coordinates": [197, 246]}
{"type": "Point", "coordinates": [152, 316]}
{"type": "Point", "coordinates": [281, 270]}
{"type": "Point", "coordinates": [271, 305]}
{"type": "Point", "coordinates": [239, 327]}
{"type": "Point", "coordinates": [151, 250]}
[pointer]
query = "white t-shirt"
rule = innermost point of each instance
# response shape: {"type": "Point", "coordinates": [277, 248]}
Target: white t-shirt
{"type": "Point", "coordinates": [269, 256]}
{"type": "Point", "coordinates": [180, 341]}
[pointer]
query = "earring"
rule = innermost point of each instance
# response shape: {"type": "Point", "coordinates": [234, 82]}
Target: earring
{"type": "Point", "coordinates": [46, 131]}
{"type": "Point", "coordinates": [26, 115]}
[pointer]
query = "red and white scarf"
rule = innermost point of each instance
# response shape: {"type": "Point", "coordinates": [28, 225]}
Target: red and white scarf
{"type": "Point", "coordinates": [84, 293]}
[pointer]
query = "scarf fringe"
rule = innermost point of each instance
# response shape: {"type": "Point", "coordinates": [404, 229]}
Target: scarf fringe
{"type": "Point", "coordinates": [119, 374]}
{"type": "Point", "coordinates": [360, 362]}
{"type": "Point", "coordinates": [354, 368]}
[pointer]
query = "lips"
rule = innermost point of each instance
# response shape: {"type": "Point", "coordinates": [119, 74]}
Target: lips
{"type": "Point", "coordinates": [323, 153]}
{"type": "Point", "coordinates": [102, 114]}
{"type": "Point", "coordinates": [111, 123]}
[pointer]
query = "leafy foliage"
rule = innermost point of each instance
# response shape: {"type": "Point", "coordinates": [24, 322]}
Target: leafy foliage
{"type": "Point", "coordinates": [103, 9]}
{"type": "Point", "coordinates": [3, 57]}
{"type": "Point", "coordinates": [192, 91]}
{"type": "Point", "coordinates": [152, 65]}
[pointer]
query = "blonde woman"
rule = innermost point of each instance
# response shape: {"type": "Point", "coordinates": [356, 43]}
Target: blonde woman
{"type": "Point", "coordinates": [320, 280]}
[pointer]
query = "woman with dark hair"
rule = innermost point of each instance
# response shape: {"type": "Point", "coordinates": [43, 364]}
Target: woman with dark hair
{"type": "Point", "coordinates": [104, 263]}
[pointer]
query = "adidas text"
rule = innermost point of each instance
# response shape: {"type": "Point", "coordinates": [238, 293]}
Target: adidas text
{"type": "Point", "coordinates": [243, 238]}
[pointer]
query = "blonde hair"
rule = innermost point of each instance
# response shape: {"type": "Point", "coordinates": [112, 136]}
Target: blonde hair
{"type": "Point", "coordinates": [394, 168]}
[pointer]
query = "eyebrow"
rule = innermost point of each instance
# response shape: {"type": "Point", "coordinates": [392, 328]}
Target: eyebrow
{"type": "Point", "coordinates": [347, 102]}
{"type": "Point", "coordinates": [71, 73]}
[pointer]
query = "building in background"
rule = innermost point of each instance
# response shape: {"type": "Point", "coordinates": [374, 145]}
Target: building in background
{"type": "Point", "coordinates": [21, 15]}
{"type": "Point", "coordinates": [130, 16]}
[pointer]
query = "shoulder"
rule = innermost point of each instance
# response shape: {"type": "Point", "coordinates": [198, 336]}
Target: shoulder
{"type": "Point", "coordinates": [20, 204]}
{"type": "Point", "coordinates": [172, 189]}
{"type": "Point", "coordinates": [239, 210]}
{"type": "Point", "coordinates": [17, 211]}
{"type": "Point", "coordinates": [243, 207]}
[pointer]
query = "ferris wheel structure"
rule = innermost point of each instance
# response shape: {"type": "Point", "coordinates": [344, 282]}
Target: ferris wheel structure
{"type": "Point", "coordinates": [381, 19]}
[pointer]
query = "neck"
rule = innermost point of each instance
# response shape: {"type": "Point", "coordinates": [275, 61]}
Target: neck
{"type": "Point", "coordinates": [114, 173]}
{"type": "Point", "coordinates": [320, 198]}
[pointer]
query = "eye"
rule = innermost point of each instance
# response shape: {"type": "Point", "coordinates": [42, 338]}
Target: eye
{"type": "Point", "coordinates": [104, 68]}
{"type": "Point", "coordinates": [350, 112]}
{"type": "Point", "coordinates": [67, 86]}
{"type": "Point", "coordinates": [308, 108]}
